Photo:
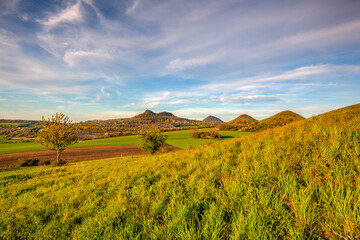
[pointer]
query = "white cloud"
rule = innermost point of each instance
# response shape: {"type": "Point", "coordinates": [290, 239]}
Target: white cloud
{"type": "Point", "coordinates": [301, 73]}
{"type": "Point", "coordinates": [179, 64]}
{"type": "Point", "coordinates": [341, 33]}
{"type": "Point", "coordinates": [74, 57]}
{"type": "Point", "coordinates": [72, 14]}
{"type": "Point", "coordinates": [8, 39]}
{"type": "Point", "coordinates": [241, 98]}
{"type": "Point", "coordinates": [133, 7]}
{"type": "Point", "coordinates": [100, 95]}
{"type": "Point", "coordinates": [104, 115]}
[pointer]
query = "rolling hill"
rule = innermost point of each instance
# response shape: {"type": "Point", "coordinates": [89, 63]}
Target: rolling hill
{"type": "Point", "coordinates": [213, 120]}
{"type": "Point", "coordinates": [241, 123]}
{"type": "Point", "coordinates": [280, 119]}
{"type": "Point", "coordinates": [243, 119]}
{"type": "Point", "coordinates": [299, 181]}
{"type": "Point", "coordinates": [247, 123]}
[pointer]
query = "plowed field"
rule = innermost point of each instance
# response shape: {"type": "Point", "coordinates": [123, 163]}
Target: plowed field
{"type": "Point", "coordinates": [75, 154]}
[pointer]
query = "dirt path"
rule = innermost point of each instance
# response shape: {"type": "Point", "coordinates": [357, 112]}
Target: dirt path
{"type": "Point", "coordinates": [76, 154]}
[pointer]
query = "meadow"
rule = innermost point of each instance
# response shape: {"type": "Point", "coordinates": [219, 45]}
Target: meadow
{"type": "Point", "coordinates": [179, 139]}
{"type": "Point", "coordinates": [300, 181]}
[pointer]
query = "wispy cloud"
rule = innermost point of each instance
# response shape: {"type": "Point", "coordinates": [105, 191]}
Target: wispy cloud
{"type": "Point", "coordinates": [300, 73]}
{"type": "Point", "coordinates": [133, 7]}
{"type": "Point", "coordinates": [76, 57]}
{"type": "Point", "coordinates": [8, 39]}
{"type": "Point", "coordinates": [341, 33]}
{"type": "Point", "coordinates": [242, 98]}
{"type": "Point", "coordinates": [100, 95]}
{"type": "Point", "coordinates": [72, 14]}
{"type": "Point", "coordinates": [179, 64]}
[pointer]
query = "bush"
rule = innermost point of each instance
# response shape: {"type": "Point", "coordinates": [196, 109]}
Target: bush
{"type": "Point", "coordinates": [59, 162]}
{"type": "Point", "coordinates": [152, 139]}
{"type": "Point", "coordinates": [28, 162]}
{"type": "Point", "coordinates": [195, 134]}
{"type": "Point", "coordinates": [47, 162]}
{"type": "Point", "coordinates": [215, 134]}
{"type": "Point", "coordinates": [207, 135]}
{"type": "Point", "coordinates": [166, 149]}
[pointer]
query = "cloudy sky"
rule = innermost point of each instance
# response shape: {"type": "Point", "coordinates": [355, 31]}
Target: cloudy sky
{"type": "Point", "coordinates": [101, 59]}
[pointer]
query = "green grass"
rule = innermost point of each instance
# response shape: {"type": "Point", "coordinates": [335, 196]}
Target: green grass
{"type": "Point", "coordinates": [300, 181]}
{"type": "Point", "coordinates": [12, 123]}
{"type": "Point", "coordinates": [179, 139]}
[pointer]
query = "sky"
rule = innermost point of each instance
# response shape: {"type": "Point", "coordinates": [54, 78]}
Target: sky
{"type": "Point", "coordinates": [105, 59]}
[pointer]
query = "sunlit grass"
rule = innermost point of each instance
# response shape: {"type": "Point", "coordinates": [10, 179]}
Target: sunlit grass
{"type": "Point", "coordinates": [300, 181]}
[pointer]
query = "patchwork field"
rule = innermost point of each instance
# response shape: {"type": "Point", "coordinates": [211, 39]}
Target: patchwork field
{"type": "Point", "coordinates": [180, 139]}
{"type": "Point", "coordinates": [300, 181]}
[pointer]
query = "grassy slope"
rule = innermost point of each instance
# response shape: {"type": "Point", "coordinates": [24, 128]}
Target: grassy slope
{"type": "Point", "coordinates": [279, 119]}
{"type": "Point", "coordinates": [300, 181]}
{"type": "Point", "coordinates": [243, 119]}
{"type": "Point", "coordinates": [179, 139]}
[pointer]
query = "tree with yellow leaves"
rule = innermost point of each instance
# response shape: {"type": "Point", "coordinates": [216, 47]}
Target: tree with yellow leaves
{"type": "Point", "coordinates": [58, 134]}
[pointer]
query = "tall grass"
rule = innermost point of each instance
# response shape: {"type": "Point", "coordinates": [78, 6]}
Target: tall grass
{"type": "Point", "coordinates": [301, 181]}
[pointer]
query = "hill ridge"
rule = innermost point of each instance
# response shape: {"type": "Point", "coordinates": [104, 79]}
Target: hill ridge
{"type": "Point", "coordinates": [212, 119]}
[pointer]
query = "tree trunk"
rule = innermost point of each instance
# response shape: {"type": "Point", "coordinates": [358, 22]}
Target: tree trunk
{"type": "Point", "coordinates": [58, 153]}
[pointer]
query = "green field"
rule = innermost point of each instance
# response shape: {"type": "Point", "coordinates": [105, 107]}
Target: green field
{"type": "Point", "coordinates": [301, 181]}
{"type": "Point", "coordinates": [179, 139]}
{"type": "Point", "coordinates": [12, 123]}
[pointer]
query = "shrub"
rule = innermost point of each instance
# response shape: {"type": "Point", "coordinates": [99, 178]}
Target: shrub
{"type": "Point", "coordinates": [47, 162]}
{"type": "Point", "coordinates": [166, 149]}
{"type": "Point", "coordinates": [215, 134]}
{"type": "Point", "coordinates": [152, 139]}
{"type": "Point", "coordinates": [28, 162]}
{"type": "Point", "coordinates": [195, 134]}
{"type": "Point", "coordinates": [211, 134]}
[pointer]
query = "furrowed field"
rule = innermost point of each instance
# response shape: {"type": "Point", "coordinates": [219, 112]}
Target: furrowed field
{"type": "Point", "coordinates": [301, 181]}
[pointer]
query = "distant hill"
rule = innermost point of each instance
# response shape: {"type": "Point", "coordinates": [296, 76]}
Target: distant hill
{"type": "Point", "coordinates": [132, 125]}
{"type": "Point", "coordinates": [212, 119]}
{"type": "Point", "coordinates": [243, 119]}
{"type": "Point", "coordinates": [168, 114]}
{"type": "Point", "coordinates": [148, 113]}
{"type": "Point", "coordinates": [278, 120]}
{"type": "Point", "coordinates": [246, 123]}
{"type": "Point", "coordinates": [241, 123]}
{"type": "Point", "coordinates": [106, 128]}
{"type": "Point", "coordinates": [160, 117]}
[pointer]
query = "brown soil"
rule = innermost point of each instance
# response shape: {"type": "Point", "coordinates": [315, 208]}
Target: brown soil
{"type": "Point", "coordinates": [78, 154]}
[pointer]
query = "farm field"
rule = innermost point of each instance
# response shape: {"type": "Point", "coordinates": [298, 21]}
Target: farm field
{"type": "Point", "coordinates": [180, 139]}
{"type": "Point", "coordinates": [300, 181]}
{"type": "Point", "coordinates": [78, 154]}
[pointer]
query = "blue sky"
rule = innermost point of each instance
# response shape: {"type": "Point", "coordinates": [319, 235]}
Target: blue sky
{"type": "Point", "coordinates": [102, 59]}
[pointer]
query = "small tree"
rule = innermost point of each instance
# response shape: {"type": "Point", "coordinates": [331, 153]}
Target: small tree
{"type": "Point", "coordinates": [152, 139]}
{"type": "Point", "coordinates": [58, 134]}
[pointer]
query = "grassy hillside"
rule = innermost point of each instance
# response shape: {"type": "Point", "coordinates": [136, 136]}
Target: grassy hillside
{"type": "Point", "coordinates": [179, 139]}
{"type": "Point", "coordinates": [280, 119]}
{"type": "Point", "coordinates": [300, 181]}
{"type": "Point", "coordinates": [243, 119]}
{"type": "Point", "coordinates": [248, 124]}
